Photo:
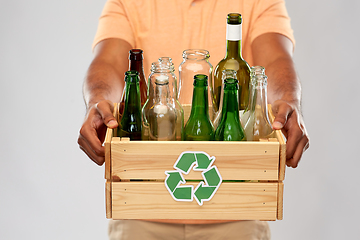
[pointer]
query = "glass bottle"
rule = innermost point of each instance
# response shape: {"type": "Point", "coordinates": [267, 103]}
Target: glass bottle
{"type": "Point", "coordinates": [258, 125]}
{"type": "Point", "coordinates": [195, 61]}
{"type": "Point", "coordinates": [164, 67]}
{"type": "Point", "coordinates": [130, 122]}
{"type": "Point", "coordinates": [255, 70]}
{"type": "Point", "coordinates": [162, 115]}
{"type": "Point", "coordinates": [230, 128]}
{"type": "Point", "coordinates": [136, 63]}
{"type": "Point", "coordinates": [233, 60]}
{"type": "Point", "coordinates": [199, 126]}
{"type": "Point", "coordinates": [227, 73]}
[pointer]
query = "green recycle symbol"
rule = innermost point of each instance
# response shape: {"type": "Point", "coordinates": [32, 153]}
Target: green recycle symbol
{"type": "Point", "coordinates": [205, 190]}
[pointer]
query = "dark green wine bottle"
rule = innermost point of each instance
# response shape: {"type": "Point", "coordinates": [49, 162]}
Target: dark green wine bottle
{"type": "Point", "coordinates": [233, 60]}
{"type": "Point", "coordinates": [199, 126]}
{"type": "Point", "coordinates": [130, 122]}
{"type": "Point", "coordinates": [230, 128]}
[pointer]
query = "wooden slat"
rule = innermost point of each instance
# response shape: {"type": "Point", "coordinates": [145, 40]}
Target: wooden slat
{"type": "Point", "coordinates": [280, 201]}
{"type": "Point", "coordinates": [235, 160]}
{"type": "Point", "coordinates": [232, 201]}
{"type": "Point", "coordinates": [282, 155]}
{"type": "Point", "coordinates": [108, 137]}
{"type": "Point", "coordinates": [107, 144]}
{"type": "Point", "coordinates": [108, 199]}
{"type": "Point", "coordinates": [282, 150]}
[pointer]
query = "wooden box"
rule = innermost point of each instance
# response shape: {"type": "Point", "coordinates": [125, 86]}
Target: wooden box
{"type": "Point", "coordinates": [137, 187]}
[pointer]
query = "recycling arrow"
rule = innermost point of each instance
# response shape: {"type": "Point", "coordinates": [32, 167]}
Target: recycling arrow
{"type": "Point", "coordinates": [205, 190]}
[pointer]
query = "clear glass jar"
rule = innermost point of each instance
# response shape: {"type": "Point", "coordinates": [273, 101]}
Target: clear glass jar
{"type": "Point", "coordinates": [195, 61]}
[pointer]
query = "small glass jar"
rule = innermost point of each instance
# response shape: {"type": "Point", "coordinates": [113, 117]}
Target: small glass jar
{"type": "Point", "coordinates": [195, 61]}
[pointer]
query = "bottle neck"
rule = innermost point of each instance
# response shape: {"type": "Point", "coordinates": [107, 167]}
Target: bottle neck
{"type": "Point", "coordinates": [132, 96]}
{"type": "Point", "coordinates": [231, 101]}
{"type": "Point", "coordinates": [200, 101]}
{"type": "Point", "coordinates": [162, 93]}
{"type": "Point", "coordinates": [259, 96]}
{"type": "Point", "coordinates": [136, 65]}
{"type": "Point", "coordinates": [233, 41]}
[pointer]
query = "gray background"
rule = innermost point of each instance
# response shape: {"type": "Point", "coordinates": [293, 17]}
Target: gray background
{"type": "Point", "coordinates": [49, 189]}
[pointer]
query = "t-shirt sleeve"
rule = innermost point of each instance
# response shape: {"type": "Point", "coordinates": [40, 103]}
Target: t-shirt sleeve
{"type": "Point", "coordinates": [271, 16]}
{"type": "Point", "coordinates": [114, 23]}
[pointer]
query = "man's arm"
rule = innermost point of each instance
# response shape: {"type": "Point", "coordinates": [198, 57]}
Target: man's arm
{"type": "Point", "coordinates": [274, 52]}
{"type": "Point", "coordinates": [103, 85]}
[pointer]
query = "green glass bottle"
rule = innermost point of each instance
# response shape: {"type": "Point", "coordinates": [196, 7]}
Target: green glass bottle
{"type": "Point", "coordinates": [199, 126]}
{"type": "Point", "coordinates": [230, 128]}
{"type": "Point", "coordinates": [130, 122]}
{"type": "Point", "coordinates": [233, 60]}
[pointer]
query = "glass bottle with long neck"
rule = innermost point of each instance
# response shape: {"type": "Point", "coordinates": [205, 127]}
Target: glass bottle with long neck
{"type": "Point", "coordinates": [136, 63]}
{"type": "Point", "coordinates": [164, 67]}
{"type": "Point", "coordinates": [227, 73]}
{"type": "Point", "coordinates": [254, 71]}
{"type": "Point", "coordinates": [130, 122]}
{"type": "Point", "coordinates": [199, 126]}
{"type": "Point", "coordinates": [258, 125]}
{"type": "Point", "coordinates": [168, 69]}
{"type": "Point", "coordinates": [233, 60]}
{"type": "Point", "coordinates": [230, 128]}
{"type": "Point", "coordinates": [162, 115]}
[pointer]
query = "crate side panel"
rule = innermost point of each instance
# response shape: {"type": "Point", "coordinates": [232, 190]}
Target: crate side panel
{"type": "Point", "coordinates": [108, 201]}
{"type": "Point", "coordinates": [232, 201]}
{"type": "Point", "coordinates": [235, 160]}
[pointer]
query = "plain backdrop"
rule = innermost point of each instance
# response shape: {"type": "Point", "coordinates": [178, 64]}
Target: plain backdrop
{"type": "Point", "coordinates": [49, 189]}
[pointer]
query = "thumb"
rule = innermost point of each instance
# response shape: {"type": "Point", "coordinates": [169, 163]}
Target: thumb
{"type": "Point", "coordinates": [282, 110]}
{"type": "Point", "coordinates": [106, 109]}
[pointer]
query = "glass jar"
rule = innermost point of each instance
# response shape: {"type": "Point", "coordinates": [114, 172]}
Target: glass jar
{"type": "Point", "coordinates": [195, 61]}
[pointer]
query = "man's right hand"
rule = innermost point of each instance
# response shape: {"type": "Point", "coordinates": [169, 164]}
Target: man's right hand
{"type": "Point", "coordinates": [92, 133]}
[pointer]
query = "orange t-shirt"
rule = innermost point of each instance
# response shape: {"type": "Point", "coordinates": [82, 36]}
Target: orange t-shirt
{"type": "Point", "coordinates": [164, 28]}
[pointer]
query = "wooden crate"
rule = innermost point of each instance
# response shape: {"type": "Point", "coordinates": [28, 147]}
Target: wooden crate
{"type": "Point", "coordinates": [135, 179]}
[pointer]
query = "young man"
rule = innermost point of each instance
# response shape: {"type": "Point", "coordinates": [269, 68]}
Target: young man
{"type": "Point", "coordinates": [166, 28]}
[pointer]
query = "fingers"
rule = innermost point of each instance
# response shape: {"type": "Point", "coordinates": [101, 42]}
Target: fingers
{"type": "Point", "coordinates": [281, 111]}
{"type": "Point", "coordinates": [93, 130]}
{"type": "Point", "coordinates": [289, 120]}
{"type": "Point", "coordinates": [301, 148]}
{"type": "Point", "coordinates": [106, 109]}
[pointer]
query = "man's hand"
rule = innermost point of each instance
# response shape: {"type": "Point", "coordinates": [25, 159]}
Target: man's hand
{"type": "Point", "coordinates": [288, 119]}
{"type": "Point", "coordinates": [92, 133]}
{"type": "Point", "coordinates": [103, 85]}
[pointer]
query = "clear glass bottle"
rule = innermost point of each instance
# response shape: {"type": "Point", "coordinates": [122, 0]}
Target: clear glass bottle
{"type": "Point", "coordinates": [195, 61]}
{"type": "Point", "coordinates": [233, 60]}
{"type": "Point", "coordinates": [162, 115]}
{"type": "Point", "coordinates": [254, 71]}
{"type": "Point", "coordinates": [258, 125]}
{"type": "Point", "coordinates": [164, 67]}
{"type": "Point", "coordinates": [130, 122]}
{"type": "Point", "coordinates": [230, 128]}
{"type": "Point", "coordinates": [199, 126]}
{"type": "Point", "coordinates": [226, 74]}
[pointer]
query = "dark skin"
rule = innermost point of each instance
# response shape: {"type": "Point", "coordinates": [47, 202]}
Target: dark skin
{"type": "Point", "coordinates": [104, 84]}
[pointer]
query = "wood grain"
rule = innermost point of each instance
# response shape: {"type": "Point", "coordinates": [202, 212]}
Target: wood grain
{"type": "Point", "coordinates": [232, 201]}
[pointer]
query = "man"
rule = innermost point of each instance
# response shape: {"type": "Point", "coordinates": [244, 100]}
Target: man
{"type": "Point", "coordinates": [165, 28]}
